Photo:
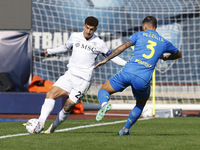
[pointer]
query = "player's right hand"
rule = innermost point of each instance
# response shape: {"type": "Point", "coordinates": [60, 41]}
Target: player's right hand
{"type": "Point", "coordinates": [100, 63]}
{"type": "Point", "coordinates": [46, 53]}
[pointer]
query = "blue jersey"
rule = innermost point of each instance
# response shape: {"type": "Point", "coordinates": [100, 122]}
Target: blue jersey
{"type": "Point", "coordinates": [149, 47]}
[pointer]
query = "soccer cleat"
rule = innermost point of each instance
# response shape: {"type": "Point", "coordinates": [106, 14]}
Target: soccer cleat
{"type": "Point", "coordinates": [103, 111]}
{"type": "Point", "coordinates": [124, 131]}
{"type": "Point", "coordinates": [50, 129]}
{"type": "Point", "coordinates": [39, 127]}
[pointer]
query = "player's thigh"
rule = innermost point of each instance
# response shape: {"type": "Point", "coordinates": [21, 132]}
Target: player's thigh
{"type": "Point", "coordinates": [61, 87]}
{"type": "Point", "coordinates": [65, 82]}
{"type": "Point", "coordinates": [56, 92]}
{"type": "Point", "coordinates": [119, 81]}
{"type": "Point", "coordinates": [79, 89]}
{"type": "Point", "coordinates": [140, 88]}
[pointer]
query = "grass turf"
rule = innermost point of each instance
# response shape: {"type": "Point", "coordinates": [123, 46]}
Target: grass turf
{"type": "Point", "coordinates": [154, 134]}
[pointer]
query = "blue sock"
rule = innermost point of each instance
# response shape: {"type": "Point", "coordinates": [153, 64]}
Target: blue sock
{"type": "Point", "coordinates": [134, 115]}
{"type": "Point", "coordinates": [103, 96]}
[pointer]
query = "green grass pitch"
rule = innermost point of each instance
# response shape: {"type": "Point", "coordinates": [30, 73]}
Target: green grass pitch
{"type": "Point", "coordinates": [154, 134]}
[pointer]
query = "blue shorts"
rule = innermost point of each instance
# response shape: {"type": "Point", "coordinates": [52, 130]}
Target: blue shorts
{"type": "Point", "coordinates": [140, 88]}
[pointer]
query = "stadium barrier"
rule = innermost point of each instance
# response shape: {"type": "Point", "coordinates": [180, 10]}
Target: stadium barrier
{"type": "Point", "coordinates": [25, 103]}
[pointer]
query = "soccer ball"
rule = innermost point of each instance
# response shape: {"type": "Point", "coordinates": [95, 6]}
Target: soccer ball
{"type": "Point", "coordinates": [147, 113]}
{"type": "Point", "coordinates": [34, 126]}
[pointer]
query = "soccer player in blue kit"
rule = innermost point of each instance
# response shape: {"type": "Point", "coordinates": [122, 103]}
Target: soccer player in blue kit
{"type": "Point", "coordinates": [137, 73]}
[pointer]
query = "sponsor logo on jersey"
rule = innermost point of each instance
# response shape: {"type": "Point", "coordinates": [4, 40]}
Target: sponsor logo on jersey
{"type": "Point", "coordinates": [85, 46]}
{"type": "Point", "coordinates": [143, 63]}
{"type": "Point", "coordinates": [172, 33]}
{"type": "Point", "coordinates": [77, 44]}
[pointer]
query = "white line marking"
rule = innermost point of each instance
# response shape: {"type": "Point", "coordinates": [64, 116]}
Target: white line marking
{"type": "Point", "coordinates": [108, 114]}
{"type": "Point", "coordinates": [74, 128]}
{"type": "Point", "coordinates": [7, 136]}
{"type": "Point", "coordinates": [88, 126]}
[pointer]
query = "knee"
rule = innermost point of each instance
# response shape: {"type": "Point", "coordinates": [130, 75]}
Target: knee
{"type": "Point", "coordinates": [142, 101]}
{"type": "Point", "coordinates": [50, 95]}
{"type": "Point", "coordinates": [53, 93]}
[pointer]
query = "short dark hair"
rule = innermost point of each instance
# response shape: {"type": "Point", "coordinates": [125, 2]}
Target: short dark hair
{"type": "Point", "coordinates": [91, 21]}
{"type": "Point", "coordinates": [150, 20]}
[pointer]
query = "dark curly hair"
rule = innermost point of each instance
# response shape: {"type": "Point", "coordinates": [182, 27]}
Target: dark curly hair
{"type": "Point", "coordinates": [92, 21]}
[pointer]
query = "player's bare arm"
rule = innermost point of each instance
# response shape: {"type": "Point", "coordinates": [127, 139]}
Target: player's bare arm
{"type": "Point", "coordinates": [116, 52]}
{"type": "Point", "coordinates": [119, 49]}
{"type": "Point", "coordinates": [177, 55]}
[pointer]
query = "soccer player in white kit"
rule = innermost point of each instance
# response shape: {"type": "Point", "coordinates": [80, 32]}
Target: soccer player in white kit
{"type": "Point", "coordinates": [86, 46]}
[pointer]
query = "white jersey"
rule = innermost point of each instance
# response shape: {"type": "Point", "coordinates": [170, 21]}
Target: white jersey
{"type": "Point", "coordinates": [84, 53]}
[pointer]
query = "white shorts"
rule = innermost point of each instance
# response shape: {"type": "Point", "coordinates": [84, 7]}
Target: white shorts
{"type": "Point", "coordinates": [75, 86]}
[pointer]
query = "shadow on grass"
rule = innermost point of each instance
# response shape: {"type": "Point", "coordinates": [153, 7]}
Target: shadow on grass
{"type": "Point", "coordinates": [80, 132]}
{"type": "Point", "coordinates": [132, 134]}
{"type": "Point", "coordinates": [163, 134]}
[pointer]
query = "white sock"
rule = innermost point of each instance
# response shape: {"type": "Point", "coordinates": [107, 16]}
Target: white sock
{"type": "Point", "coordinates": [61, 117]}
{"type": "Point", "coordinates": [47, 107]}
{"type": "Point", "coordinates": [103, 104]}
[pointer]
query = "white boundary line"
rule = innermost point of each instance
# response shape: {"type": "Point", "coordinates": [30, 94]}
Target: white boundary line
{"type": "Point", "coordinates": [7, 136]}
{"type": "Point", "coordinates": [88, 126]}
{"type": "Point", "coordinates": [108, 114]}
{"type": "Point", "coordinates": [74, 128]}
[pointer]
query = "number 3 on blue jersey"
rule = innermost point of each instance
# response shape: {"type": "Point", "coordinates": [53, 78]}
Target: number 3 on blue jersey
{"type": "Point", "coordinates": [151, 47]}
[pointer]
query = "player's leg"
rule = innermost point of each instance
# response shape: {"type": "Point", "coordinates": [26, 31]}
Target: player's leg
{"type": "Point", "coordinates": [60, 88]}
{"type": "Point", "coordinates": [49, 102]}
{"type": "Point", "coordinates": [111, 86]}
{"type": "Point", "coordinates": [133, 116]}
{"type": "Point", "coordinates": [115, 84]}
{"type": "Point", "coordinates": [79, 88]}
{"type": "Point", "coordinates": [62, 115]}
{"type": "Point", "coordinates": [103, 97]}
{"type": "Point", "coordinates": [141, 91]}
{"type": "Point", "coordinates": [105, 92]}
